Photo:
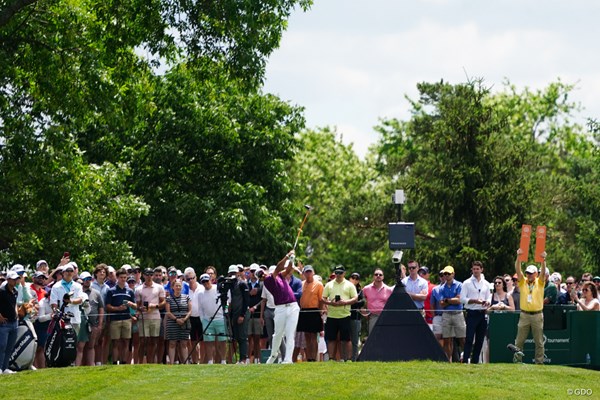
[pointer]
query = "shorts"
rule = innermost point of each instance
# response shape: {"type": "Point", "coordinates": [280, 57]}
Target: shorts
{"type": "Point", "coordinates": [84, 331]}
{"type": "Point", "coordinates": [196, 331]}
{"type": "Point", "coordinates": [310, 320]}
{"type": "Point", "coordinates": [41, 330]}
{"type": "Point", "coordinates": [120, 329]}
{"type": "Point", "coordinates": [453, 325]}
{"type": "Point", "coordinates": [150, 327]}
{"type": "Point", "coordinates": [214, 331]}
{"type": "Point", "coordinates": [254, 326]}
{"type": "Point", "coordinates": [338, 325]}
{"type": "Point", "coordinates": [436, 326]}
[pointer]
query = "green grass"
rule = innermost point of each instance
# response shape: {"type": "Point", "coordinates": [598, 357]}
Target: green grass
{"type": "Point", "coordinates": [363, 380]}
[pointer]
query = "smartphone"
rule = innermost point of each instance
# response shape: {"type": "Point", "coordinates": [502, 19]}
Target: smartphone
{"type": "Point", "coordinates": [338, 298]}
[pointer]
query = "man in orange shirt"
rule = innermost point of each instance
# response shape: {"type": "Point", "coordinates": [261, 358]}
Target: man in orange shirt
{"type": "Point", "coordinates": [311, 304]}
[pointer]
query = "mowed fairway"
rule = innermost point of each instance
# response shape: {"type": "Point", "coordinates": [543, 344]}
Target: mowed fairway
{"type": "Point", "coordinates": [331, 380]}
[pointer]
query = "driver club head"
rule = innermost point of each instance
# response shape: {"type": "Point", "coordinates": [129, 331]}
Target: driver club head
{"type": "Point", "coordinates": [309, 208]}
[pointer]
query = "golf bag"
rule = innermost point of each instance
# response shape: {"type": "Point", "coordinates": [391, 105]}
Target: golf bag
{"type": "Point", "coordinates": [24, 351]}
{"type": "Point", "coordinates": [61, 345]}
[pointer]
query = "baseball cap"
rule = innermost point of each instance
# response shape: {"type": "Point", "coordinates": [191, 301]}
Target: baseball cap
{"type": "Point", "coordinates": [272, 268]}
{"type": "Point", "coordinates": [172, 271]}
{"type": "Point", "coordinates": [204, 278]}
{"type": "Point", "coordinates": [355, 275]}
{"type": "Point", "coordinates": [18, 268]}
{"type": "Point", "coordinates": [449, 269]}
{"type": "Point", "coordinates": [130, 278]}
{"type": "Point", "coordinates": [39, 274]}
{"type": "Point", "coordinates": [423, 270]}
{"type": "Point", "coordinates": [233, 269]}
{"type": "Point", "coordinates": [68, 267]}
{"type": "Point", "coordinates": [531, 269]}
{"type": "Point", "coordinates": [85, 275]}
{"type": "Point", "coordinates": [12, 275]}
{"type": "Point", "coordinates": [339, 269]}
{"type": "Point", "coordinates": [308, 268]}
{"type": "Point", "coordinates": [596, 279]}
{"type": "Point", "coordinates": [148, 271]}
{"type": "Point", "coordinates": [126, 267]}
{"type": "Point", "coordinates": [40, 262]}
{"type": "Point", "coordinates": [254, 267]}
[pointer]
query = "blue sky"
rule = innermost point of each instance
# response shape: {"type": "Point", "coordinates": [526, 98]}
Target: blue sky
{"type": "Point", "coordinates": [351, 62]}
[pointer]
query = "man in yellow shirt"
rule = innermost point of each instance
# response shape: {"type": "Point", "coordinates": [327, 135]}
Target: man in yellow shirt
{"type": "Point", "coordinates": [532, 305]}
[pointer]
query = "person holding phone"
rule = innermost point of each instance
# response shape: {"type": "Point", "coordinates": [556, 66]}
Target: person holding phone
{"type": "Point", "coordinates": [339, 294]}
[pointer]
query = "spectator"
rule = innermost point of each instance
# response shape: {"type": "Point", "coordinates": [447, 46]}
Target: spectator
{"type": "Point", "coordinates": [212, 272]}
{"type": "Point", "coordinates": [119, 300]}
{"type": "Point", "coordinates": [211, 314]}
{"type": "Point", "coordinates": [339, 294]}
{"type": "Point", "coordinates": [596, 281]}
{"type": "Point", "coordinates": [150, 297]}
{"type": "Point", "coordinates": [532, 304]}
{"type": "Point", "coordinates": [476, 297]}
{"type": "Point", "coordinates": [172, 276]}
{"type": "Point", "coordinates": [196, 324]}
{"type": "Point", "coordinates": [355, 315]}
{"type": "Point", "coordinates": [39, 279]}
{"type": "Point", "coordinates": [416, 287]}
{"type": "Point", "coordinates": [178, 309]}
{"type": "Point", "coordinates": [550, 290]}
{"type": "Point", "coordinates": [40, 325]}
{"type": "Point", "coordinates": [99, 283]}
{"type": "Point", "coordinates": [133, 349]}
{"type": "Point", "coordinates": [425, 274]}
{"type": "Point", "coordinates": [565, 298]}
{"type": "Point", "coordinates": [589, 302]}
{"type": "Point", "coordinates": [501, 301]}
{"type": "Point", "coordinates": [453, 320]}
{"type": "Point", "coordinates": [516, 293]}
{"type": "Point", "coordinates": [436, 323]}
{"type": "Point", "coordinates": [68, 285]}
{"type": "Point", "coordinates": [311, 307]}
{"type": "Point", "coordinates": [286, 308]}
{"type": "Point", "coordinates": [239, 315]}
{"type": "Point", "coordinates": [376, 295]}
{"type": "Point", "coordinates": [8, 320]}
{"type": "Point", "coordinates": [95, 318]}
{"type": "Point", "coordinates": [111, 276]}
{"type": "Point", "coordinates": [255, 328]}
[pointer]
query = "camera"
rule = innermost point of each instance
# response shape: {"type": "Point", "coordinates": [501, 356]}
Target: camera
{"type": "Point", "coordinates": [397, 257]}
{"type": "Point", "coordinates": [225, 283]}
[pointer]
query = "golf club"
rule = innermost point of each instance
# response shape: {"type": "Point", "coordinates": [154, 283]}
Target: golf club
{"type": "Point", "coordinates": [308, 210]}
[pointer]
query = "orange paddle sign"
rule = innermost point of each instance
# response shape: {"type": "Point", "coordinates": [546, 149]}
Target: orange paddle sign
{"type": "Point", "coordinates": [525, 239]}
{"type": "Point", "coordinates": [540, 242]}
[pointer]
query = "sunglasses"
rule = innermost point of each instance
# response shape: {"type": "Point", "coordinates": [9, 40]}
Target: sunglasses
{"type": "Point", "coordinates": [412, 267]}
{"type": "Point", "coordinates": [498, 283]}
{"type": "Point", "coordinates": [446, 273]}
{"type": "Point", "coordinates": [508, 280]}
{"type": "Point", "coordinates": [190, 279]}
{"type": "Point", "coordinates": [570, 283]}
{"type": "Point", "coordinates": [585, 290]}
{"type": "Point", "coordinates": [377, 275]}
{"type": "Point", "coordinates": [87, 279]}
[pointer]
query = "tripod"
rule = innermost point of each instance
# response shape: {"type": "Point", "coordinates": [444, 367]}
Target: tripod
{"type": "Point", "coordinates": [222, 299]}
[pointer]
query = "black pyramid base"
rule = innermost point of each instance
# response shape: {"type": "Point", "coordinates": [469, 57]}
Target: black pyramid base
{"type": "Point", "coordinates": [401, 335]}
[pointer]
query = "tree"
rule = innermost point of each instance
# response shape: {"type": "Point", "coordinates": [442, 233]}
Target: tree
{"type": "Point", "coordinates": [347, 225]}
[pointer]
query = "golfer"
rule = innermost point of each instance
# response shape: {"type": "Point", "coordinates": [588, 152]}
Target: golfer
{"type": "Point", "coordinates": [286, 308]}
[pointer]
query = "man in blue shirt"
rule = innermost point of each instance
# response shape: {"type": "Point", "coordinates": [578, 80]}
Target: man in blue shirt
{"type": "Point", "coordinates": [120, 299]}
{"type": "Point", "coordinates": [453, 320]}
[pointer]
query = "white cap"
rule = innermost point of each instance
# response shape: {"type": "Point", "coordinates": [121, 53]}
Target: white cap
{"type": "Point", "coordinates": [233, 268]}
{"type": "Point", "coordinates": [85, 274]}
{"type": "Point", "coordinates": [531, 269]}
{"type": "Point", "coordinates": [17, 268]}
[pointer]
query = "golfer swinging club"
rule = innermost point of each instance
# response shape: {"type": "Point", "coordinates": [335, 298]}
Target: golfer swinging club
{"type": "Point", "coordinates": [286, 308]}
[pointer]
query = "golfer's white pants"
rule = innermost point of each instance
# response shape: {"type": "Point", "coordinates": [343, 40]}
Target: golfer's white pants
{"type": "Point", "coordinates": [286, 319]}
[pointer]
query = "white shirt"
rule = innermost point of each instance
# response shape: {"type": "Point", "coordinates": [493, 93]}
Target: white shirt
{"type": "Point", "coordinates": [194, 299]}
{"type": "Point", "coordinates": [57, 294]}
{"type": "Point", "coordinates": [269, 297]}
{"type": "Point", "coordinates": [475, 290]}
{"type": "Point", "coordinates": [417, 286]}
{"type": "Point", "coordinates": [208, 303]}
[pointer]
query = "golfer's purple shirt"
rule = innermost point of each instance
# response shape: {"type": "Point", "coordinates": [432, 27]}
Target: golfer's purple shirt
{"type": "Point", "coordinates": [280, 289]}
